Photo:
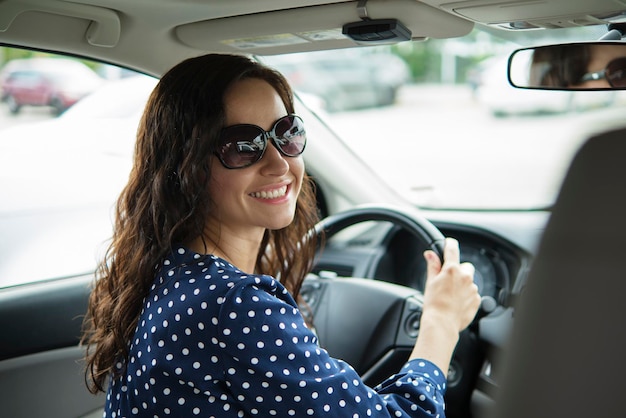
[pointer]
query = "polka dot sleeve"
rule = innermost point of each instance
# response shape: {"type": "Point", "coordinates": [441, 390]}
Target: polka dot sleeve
{"type": "Point", "coordinates": [273, 365]}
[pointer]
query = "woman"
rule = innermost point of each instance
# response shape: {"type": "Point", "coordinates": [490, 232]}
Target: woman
{"type": "Point", "coordinates": [194, 312]}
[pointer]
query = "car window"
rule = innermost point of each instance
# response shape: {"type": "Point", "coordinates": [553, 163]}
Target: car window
{"type": "Point", "coordinates": [60, 174]}
{"type": "Point", "coordinates": [23, 76]}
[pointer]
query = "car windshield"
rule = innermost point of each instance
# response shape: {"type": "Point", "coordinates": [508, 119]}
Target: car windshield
{"type": "Point", "coordinates": [411, 109]}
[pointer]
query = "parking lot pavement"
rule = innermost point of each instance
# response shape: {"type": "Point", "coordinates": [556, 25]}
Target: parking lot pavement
{"type": "Point", "coordinates": [504, 160]}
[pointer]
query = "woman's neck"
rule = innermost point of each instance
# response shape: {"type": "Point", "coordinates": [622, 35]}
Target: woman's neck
{"type": "Point", "coordinates": [240, 251]}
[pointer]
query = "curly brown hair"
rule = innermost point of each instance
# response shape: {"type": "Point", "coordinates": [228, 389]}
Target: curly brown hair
{"type": "Point", "coordinates": [560, 66]}
{"type": "Point", "coordinates": [166, 202]}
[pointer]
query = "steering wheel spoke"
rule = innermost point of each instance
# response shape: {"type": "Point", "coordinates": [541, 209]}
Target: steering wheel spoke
{"type": "Point", "coordinates": [364, 322]}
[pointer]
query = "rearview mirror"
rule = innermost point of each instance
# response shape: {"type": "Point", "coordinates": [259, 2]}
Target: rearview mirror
{"type": "Point", "coordinates": [581, 66]}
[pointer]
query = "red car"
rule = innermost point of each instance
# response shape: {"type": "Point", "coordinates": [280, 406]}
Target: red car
{"type": "Point", "coordinates": [58, 83]}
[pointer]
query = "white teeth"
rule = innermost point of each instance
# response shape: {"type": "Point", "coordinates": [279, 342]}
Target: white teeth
{"type": "Point", "coordinates": [271, 194]}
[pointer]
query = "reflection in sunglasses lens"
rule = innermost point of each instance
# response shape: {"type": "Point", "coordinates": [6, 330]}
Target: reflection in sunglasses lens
{"type": "Point", "coordinates": [290, 136]}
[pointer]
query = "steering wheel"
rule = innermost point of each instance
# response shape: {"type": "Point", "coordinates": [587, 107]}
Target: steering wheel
{"type": "Point", "coordinates": [372, 324]}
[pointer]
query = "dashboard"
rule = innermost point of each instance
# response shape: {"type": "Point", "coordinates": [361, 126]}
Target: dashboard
{"type": "Point", "coordinates": [382, 251]}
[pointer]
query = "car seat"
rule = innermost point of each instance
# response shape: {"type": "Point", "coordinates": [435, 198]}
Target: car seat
{"type": "Point", "coordinates": [567, 354]}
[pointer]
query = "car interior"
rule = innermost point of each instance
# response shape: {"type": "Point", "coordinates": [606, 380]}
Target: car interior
{"type": "Point", "coordinates": [548, 336]}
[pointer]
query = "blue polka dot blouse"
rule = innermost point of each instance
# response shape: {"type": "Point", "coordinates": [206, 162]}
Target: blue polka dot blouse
{"type": "Point", "coordinates": [212, 341]}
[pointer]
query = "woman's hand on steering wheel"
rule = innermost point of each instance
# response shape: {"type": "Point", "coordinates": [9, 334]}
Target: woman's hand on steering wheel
{"type": "Point", "coordinates": [451, 300]}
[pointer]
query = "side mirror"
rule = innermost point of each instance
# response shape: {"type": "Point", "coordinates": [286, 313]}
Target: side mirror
{"type": "Point", "coordinates": [597, 65]}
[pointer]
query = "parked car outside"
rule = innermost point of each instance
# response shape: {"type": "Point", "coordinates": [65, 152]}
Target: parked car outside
{"type": "Point", "coordinates": [342, 83]}
{"type": "Point", "coordinates": [54, 82]}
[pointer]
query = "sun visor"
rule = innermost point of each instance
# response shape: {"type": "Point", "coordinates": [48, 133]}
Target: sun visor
{"type": "Point", "coordinates": [316, 27]}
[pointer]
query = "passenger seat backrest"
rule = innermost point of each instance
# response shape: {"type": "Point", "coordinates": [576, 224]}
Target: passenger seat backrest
{"type": "Point", "coordinates": [567, 354]}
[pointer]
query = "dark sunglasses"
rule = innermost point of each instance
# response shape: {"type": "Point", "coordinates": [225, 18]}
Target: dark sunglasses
{"type": "Point", "coordinates": [614, 73]}
{"type": "Point", "coordinates": [243, 145]}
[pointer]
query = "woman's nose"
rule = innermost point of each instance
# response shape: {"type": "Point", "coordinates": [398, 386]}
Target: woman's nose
{"type": "Point", "coordinates": [273, 161]}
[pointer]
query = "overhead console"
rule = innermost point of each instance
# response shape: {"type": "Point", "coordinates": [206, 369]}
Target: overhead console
{"type": "Point", "coordinates": [535, 14]}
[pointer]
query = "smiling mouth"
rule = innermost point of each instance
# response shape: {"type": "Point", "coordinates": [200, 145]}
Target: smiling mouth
{"type": "Point", "coordinates": [270, 194]}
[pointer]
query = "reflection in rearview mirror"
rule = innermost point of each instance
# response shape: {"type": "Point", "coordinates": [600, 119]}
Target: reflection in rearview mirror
{"type": "Point", "coordinates": [580, 66]}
